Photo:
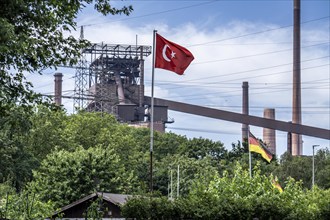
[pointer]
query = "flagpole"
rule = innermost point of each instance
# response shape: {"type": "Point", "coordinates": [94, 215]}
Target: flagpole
{"type": "Point", "coordinates": [250, 159]}
{"type": "Point", "coordinates": [178, 185]}
{"type": "Point", "coordinates": [152, 109]}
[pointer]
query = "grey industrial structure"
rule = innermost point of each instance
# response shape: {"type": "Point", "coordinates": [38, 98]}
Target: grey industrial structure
{"type": "Point", "coordinates": [110, 78]}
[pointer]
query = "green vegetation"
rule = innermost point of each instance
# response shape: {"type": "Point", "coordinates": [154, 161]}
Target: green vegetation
{"type": "Point", "coordinates": [236, 197]}
{"type": "Point", "coordinates": [24, 205]}
{"type": "Point", "coordinates": [74, 155]}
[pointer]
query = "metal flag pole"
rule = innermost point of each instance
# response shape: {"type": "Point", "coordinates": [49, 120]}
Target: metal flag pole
{"type": "Point", "coordinates": [152, 109]}
{"type": "Point", "coordinates": [171, 184]}
{"type": "Point", "coordinates": [250, 159]}
{"type": "Point", "coordinates": [178, 185]}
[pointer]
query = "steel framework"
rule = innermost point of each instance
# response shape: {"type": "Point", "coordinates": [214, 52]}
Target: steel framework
{"type": "Point", "coordinates": [108, 75]}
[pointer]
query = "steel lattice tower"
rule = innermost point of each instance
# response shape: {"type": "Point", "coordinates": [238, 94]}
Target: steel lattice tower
{"type": "Point", "coordinates": [110, 75]}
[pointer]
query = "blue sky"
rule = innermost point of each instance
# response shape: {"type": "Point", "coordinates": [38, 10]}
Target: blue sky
{"type": "Point", "coordinates": [232, 41]}
{"type": "Point", "coordinates": [221, 12]}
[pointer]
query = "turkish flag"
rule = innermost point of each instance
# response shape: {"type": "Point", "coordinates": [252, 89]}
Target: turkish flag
{"type": "Point", "coordinates": [171, 56]}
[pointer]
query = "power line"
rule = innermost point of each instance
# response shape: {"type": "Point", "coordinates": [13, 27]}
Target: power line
{"type": "Point", "coordinates": [254, 33]}
{"type": "Point", "coordinates": [255, 93]}
{"type": "Point", "coordinates": [210, 42]}
{"type": "Point", "coordinates": [241, 72]}
{"type": "Point", "coordinates": [239, 90]}
{"type": "Point", "coordinates": [265, 43]}
{"type": "Point", "coordinates": [327, 86]}
{"type": "Point", "coordinates": [253, 83]}
{"type": "Point", "coordinates": [151, 14]}
{"type": "Point", "coordinates": [254, 55]}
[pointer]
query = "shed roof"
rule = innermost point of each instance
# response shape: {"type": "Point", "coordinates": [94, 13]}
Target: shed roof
{"type": "Point", "coordinates": [117, 199]}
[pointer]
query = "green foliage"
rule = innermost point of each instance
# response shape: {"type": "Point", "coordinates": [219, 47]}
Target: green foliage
{"type": "Point", "coordinates": [64, 177]}
{"type": "Point", "coordinates": [237, 197]}
{"type": "Point", "coordinates": [46, 132]}
{"type": "Point", "coordinates": [199, 148]}
{"type": "Point", "coordinates": [65, 139]}
{"type": "Point", "coordinates": [300, 168]}
{"type": "Point", "coordinates": [150, 208]}
{"type": "Point", "coordinates": [87, 152]}
{"type": "Point", "coordinates": [297, 167]}
{"type": "Point", "coordinates": [322, 168]}
{"type": "Point", "coordinates": [25, 205]}
{"type": "Point", "coordinates": [95, 210]}
{"type": "Point", "coordinates": [191, 169]}
{"type": "Point", "coordinates": [15, 91]}
{"type": "Point", "coordinates": [85, 129]}
{"type": "Point", "coordinates": [16, 162]}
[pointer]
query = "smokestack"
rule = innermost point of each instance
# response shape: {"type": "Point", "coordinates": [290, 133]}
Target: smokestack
{"type": "Point", "coordinates": [269, 134]}
{"type": "Point", "coordinates": [58, 88]}
{"type": "Point", "coordinates": [296, 93]}
{"type": "Point", "coordinates": [245, 109]}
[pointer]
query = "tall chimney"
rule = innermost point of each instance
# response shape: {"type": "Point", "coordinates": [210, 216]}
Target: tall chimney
{"type": "Point", "coordinates": [296, 93]}
{"type": "Point", "coordinates": [58, 88]}
{"type": "Point", "coordinates": [269, 134]}
{"type": "Point", "coordinates": [245, 109]}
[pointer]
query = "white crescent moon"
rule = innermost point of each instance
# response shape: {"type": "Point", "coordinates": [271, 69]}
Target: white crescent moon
{"type": "Point", "coordinates": [164, 54]}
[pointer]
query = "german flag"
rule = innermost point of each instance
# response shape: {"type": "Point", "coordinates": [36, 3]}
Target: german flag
{"type": "Point", "coordinates": [256, 146]}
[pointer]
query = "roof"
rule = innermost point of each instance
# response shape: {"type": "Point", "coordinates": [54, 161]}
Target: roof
{"type": "Point", "coordinates": [117, 199]}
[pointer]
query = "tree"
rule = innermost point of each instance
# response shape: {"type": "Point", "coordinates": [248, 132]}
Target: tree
{"type": "Point", "coordinates": [297, 167]}
{"type": "Point", "coordinates": [64, 177]}
{"type": "Point", "coordinates": [190, 170]}
{"type": "Point", "coordinates": [86, 128]}
{"type": "Point", "coordinates": [15, 91]}
{"type": "Point", "coordinates": [25, 205]}
{"type": "Point", "coordinates": [16, 162]}
{"type": "Point", "coordinates": [322, 168]}
{"type": "Point", "coordinates": [46, 132]}
{"type": "Point", "coordinates": [199, 148]}
{"type": "Point", "coordinates": [300, 168]}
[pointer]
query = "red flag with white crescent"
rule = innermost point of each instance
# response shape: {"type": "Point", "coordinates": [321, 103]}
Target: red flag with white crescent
{"type": "Point", "coordinates": [171, 56]}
